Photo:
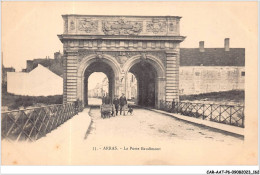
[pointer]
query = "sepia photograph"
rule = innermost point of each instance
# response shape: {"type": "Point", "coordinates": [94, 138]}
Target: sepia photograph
{"type": "Point", "coordinates": [129, 83]}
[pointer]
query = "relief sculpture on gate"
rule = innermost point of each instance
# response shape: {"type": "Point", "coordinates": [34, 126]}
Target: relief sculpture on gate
{"type": "Point", "coordinates": [156, 26]}
{"type": "Point", "coordinates": [122, 27]}
{"type": "Point", "coordinates": [88, 25]}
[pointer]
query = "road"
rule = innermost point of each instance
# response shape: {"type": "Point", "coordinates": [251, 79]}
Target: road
{"type": "Point", "coordinates": [149, 125]}
{"type": "Point", "coordinates": [144, 138]}
{"type": "Point", "coordinates": [94, 101]}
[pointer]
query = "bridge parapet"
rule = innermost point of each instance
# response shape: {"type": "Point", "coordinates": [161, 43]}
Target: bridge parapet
{"type": "Point", "coordinates": [226, 114]}
{"type": "Point", "coordinates": [33, 123]}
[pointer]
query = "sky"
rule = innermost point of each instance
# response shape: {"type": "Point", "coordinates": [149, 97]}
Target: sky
{"type": "Point", "coordinates": [30, 29]}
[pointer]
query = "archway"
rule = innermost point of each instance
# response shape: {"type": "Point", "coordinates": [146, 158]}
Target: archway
{"type": "Point", "coordinates": [150, 74]}
{"type": "Point", "coordinates": [98, 86]}
{"type": "Point", "coordinates": [146, 76]}
{"type": "Point", "coordinates": [97, 63]}
{"type": "Point", "coordinates": [99, 66]}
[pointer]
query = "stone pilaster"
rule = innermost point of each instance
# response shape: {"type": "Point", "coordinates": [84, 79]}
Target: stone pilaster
{"type": "Point", "coordinates": [172, 76]}
{"type": "Point", "coordinates": [70, 78]}
{"type": "Point", "coordinates": [161, 91]}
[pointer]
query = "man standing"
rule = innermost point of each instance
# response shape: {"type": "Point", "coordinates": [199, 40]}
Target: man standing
{"type": "Point", "coordinates": [103, 99]}
{"type": "Point", "coordinates": [116, 103]}
{"type": "Point", "coordinates": [107, 99]}
{"type": "Point", "coordinates": [123, 103]}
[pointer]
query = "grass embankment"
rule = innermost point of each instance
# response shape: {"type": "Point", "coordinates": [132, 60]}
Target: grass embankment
{"type": "Point", "coordinates": [17, 101]}
{"type": "Point", "coordinates": [225, 96]}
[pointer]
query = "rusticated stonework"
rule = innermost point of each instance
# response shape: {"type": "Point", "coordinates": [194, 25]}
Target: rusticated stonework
{"type": "Point", "coordinates": [87, 25]}
{"type": "Point", "coordinates": [156, 26]}
{"type": "Point", "coordinates": [122, 27]}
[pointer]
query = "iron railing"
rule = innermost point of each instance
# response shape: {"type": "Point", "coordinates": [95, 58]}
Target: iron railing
{"type": "Point", "coordinates": [227, 114]}
{"type": "Point", "coordinates": [34, 123]}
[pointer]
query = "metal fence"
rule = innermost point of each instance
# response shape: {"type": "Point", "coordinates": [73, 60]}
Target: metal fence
{"type": "Point", "coordinates": [227, 114]}
{"type": "Point", "coordinates": [34, 123]}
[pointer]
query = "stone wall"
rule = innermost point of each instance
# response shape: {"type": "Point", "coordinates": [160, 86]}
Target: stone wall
{"type": "Point", "coordinates": [205, 79]}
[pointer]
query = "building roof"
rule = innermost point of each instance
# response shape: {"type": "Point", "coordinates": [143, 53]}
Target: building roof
{"type": "Point", "coordinates": [42, 70]}
{"type": "Point", "coordinates": [212, 57]}
{"type": "Point", "coordinates": [52, 64]}
{"type": "Point", "coordinates": [8, 69]}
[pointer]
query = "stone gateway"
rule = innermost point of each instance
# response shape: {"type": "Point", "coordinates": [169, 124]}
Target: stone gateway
{"type": "Point", "coordinates": [147, 46]}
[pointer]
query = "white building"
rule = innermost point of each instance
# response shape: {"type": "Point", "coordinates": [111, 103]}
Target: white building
{"type": "Point", "coordinates": [39, 82]}
{"type": "Point", "coordinates": [131, 92]}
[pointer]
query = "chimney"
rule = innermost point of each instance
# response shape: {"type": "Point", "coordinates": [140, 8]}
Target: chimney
{"type": "Point", "coordinates": [201, 43]}
{"type": "Point", "coordinates": [29, 66]}
{"type": "Point", "coordinates": [226, 44]}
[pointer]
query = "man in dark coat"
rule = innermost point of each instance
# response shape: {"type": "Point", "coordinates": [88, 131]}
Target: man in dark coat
{"type": "Point", "coordinates": [107, 99]}
{"type": "Point", "coordinates": [103, 99]}
{"type": "Point", "coordinates": [116, 103]}
{"type": "Point", "coordinates": [123, 103]}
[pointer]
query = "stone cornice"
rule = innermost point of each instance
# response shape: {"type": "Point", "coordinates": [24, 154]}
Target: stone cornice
{"type": "Point", "coordinates": [63, 37]}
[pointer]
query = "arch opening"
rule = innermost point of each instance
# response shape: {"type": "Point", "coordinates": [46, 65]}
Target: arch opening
{"type": "Point", "coordinates": [107, 85]}
{"type": "Point", "coordinates": [146, 76]}
{"type": "Point", "coordinates": [97, 87]}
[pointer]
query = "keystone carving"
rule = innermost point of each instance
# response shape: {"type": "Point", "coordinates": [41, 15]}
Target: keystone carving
{"type": "Point", "coordinates": [99, 56]}
{"type": "Point", "coordinates": [143, 56]}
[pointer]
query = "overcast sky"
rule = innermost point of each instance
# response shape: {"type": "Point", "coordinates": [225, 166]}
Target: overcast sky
{"type": "Point", "coordinates": [29, 29]}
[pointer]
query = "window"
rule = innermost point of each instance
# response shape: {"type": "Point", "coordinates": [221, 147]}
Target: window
{"type": "Point", "coordinates": [243, 74]}
{"type": "Point", "coordinates": [197, 73]}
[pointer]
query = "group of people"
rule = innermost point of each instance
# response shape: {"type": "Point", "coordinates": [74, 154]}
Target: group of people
{"type": "Point", "coordinates": [120, 103]}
